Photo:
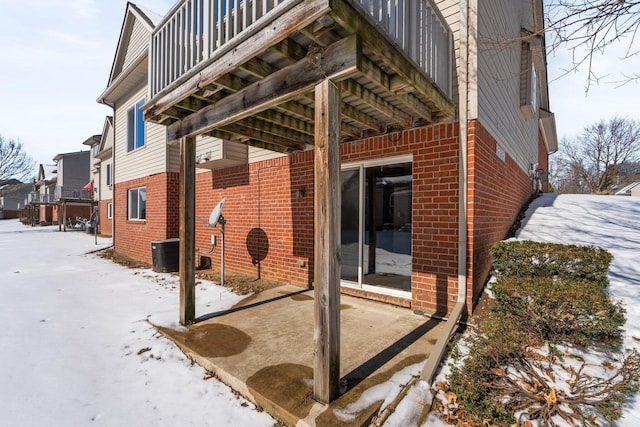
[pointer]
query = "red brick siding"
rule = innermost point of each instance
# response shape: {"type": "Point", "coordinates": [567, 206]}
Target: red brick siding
{"type": "Point", "coordinates": [74, 211]}
{"type": "Point", "coordinates": [46, 213]}
{"type": "Point", "coordinates": [263, 196]}
{"type": "Point", "coordinates": [133, 237]}
{"type": "Point", "coordinates": [105, 222]}
{"type": "Point", "coordinates": [497, 191]}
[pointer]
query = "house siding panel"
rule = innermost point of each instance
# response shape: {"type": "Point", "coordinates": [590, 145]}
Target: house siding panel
{"type": "Point", "coordinates": [138, 43]}
{"type": "Point", "coordinates": [498, 81]}
{"type": "Point", "coordinates": [148, 160]}
{"type": "Point", "coordinates": [259, 154]}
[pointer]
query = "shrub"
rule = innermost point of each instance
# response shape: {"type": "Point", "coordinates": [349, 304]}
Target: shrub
{"type": "Point", "coordinates": [533, 259]}
{"type": "Point", "coordinates": [545, 294]}
{"type": "Point", "coordinates": [561, 310]}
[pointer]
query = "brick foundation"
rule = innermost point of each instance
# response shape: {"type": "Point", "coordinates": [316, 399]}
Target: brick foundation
{"type": "Point", "coordinates": [133, 237]}
{"type": "Point", "coordinates": [269, 212]}
{"type": "Point", "coordinates": [105, 222]}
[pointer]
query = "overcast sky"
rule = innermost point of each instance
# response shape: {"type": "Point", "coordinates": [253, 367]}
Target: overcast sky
{"type": "Point", "coordinates": [55, 59]}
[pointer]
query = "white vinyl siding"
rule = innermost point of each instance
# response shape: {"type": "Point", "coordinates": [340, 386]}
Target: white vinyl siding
{"type": "Point", "coordinates": [138, 43]}
{"type": "Point", "coordinates": [151, 159]}
{"type": "Point", "coordinates": [260, 154]}
{"type": "Point", "coordinates": [499, 82]}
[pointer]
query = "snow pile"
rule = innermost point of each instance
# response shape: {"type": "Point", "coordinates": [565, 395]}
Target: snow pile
{"type": "Point", "coordinates": [77, 346]}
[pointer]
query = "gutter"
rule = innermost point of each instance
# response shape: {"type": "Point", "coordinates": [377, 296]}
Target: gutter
{"type": "Point", "coordinates": [430, 367]}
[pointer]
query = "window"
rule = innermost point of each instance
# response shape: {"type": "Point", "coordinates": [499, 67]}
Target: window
{"type": "Point", "coordinates": [376, 226]}
{"type": "Point", "coordinates": [95, 148]}
{"type": "Point", "coordinates": [137, 198]}
{"type": "Point", "coordinates": [109, 177]}
{"type": "Point", "coordinates": [135, 127]}
{"type": "Point", "coordinates": [109, 210]}
{"type": "Point", "coordinates": [528, 83]}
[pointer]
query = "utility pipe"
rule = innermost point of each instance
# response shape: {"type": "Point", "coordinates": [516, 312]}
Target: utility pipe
{"type": "Point", "coordinates": [430, 367]}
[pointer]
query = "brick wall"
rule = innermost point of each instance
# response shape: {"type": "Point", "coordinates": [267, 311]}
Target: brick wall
{"type": "Point", "coordinates": [267, 220]}
{"type": "Point", "coordinates": [133, 237]}
{"type": "Point", "coordinates": [105, 222]}
{"type": "Point", "coordinates": [497, 191]}
{"type": "Point", "coordinates": [269, 212]}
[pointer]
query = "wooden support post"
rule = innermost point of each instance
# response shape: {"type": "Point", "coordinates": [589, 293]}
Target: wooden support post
{"type": "Point", "coordinates": [187, 230]}
{"type": "Point", "coordinates": [327, 192]}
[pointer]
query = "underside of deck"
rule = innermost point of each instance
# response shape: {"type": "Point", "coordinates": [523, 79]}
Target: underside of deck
{"type": "Point", "coordinates": [259, 88]}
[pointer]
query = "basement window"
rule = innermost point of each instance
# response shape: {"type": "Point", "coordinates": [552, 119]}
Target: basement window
{"type": "Point", "coordinates": [137, 203]}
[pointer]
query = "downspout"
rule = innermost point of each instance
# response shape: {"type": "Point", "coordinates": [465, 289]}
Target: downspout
{"type": "Point", "coordinates": [430, 367]}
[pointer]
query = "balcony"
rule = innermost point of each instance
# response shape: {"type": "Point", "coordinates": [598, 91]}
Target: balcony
{"type": "Point", "coordinates": [35, 198]}
{"type": "Point", "coordinates": [245, 71]}
{"type": "Point", "coordinates": [64, 194]}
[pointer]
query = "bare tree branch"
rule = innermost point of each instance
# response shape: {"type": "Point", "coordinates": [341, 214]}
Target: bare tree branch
{"type": "Point", "coordinates": [604, 155]}
{"type": "Point", "coordinates": [14, 161]}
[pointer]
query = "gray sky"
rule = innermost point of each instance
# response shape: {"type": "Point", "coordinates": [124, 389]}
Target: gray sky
{"type": "Point", "coordinates": [55, 59]}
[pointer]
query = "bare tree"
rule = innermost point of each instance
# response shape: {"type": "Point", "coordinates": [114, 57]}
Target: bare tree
{"type": "Point", "coordinates": [595, 161]}
{"type": "Point", "coordinates": [589, 27]}
{"type": "Point", "coordinates": [14, 161]}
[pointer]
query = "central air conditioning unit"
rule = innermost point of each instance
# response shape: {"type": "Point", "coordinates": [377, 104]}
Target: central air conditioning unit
{"type": "Point", "coordinates": [213, 153]}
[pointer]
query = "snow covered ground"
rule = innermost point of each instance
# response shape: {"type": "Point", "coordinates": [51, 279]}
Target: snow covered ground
{"type": "Point", "coordinates": [610, 222]}
{"type": "Point", "coordinates": [76, 347]}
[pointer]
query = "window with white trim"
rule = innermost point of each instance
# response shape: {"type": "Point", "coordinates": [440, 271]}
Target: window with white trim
{"type": "Point", "coordinates": [528, 83]}
{"type": "Point", "coordinates": [135, 127]}
{"type": "Point", "coordinates": [109, 173]}
{"type": "Point", "coordinates": [137, 203]}
{"type": "Point", "coordinates": [109, 210]}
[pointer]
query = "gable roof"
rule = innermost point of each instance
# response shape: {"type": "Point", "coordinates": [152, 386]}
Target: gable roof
{"type": "Point", "coordinates": [125, 62]}
{"type": "Point", "coordinates": [47, 172]}
{"type": "Point", "coordinates": [627, 190]}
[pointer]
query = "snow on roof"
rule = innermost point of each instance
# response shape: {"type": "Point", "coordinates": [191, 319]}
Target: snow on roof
{"type": "Point", "coordinates": [626, 190]}
{"type": "Point", "coordinates": [50, 171]}
{"type": "Point", "coordinates": [153, 17]}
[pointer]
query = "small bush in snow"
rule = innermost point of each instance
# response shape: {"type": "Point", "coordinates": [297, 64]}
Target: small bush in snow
{"type": "Point", "coordinates": [533, 259]}
{"type": "Point", "coordinates": [528, 360]}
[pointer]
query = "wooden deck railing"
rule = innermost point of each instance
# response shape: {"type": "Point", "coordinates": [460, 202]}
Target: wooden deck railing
{"type": "Point", "coordinates": [194, 30]}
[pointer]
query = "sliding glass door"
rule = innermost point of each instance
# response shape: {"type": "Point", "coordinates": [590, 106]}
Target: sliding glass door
{"type": "Point", "coordinates": [376, 226]}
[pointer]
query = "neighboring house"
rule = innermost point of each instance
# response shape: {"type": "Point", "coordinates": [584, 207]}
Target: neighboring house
{"type": "Point", "coordinates": [42, 198]}
{"type": "Point", "coordinates": [12, 198]}
{"type": "Point", "coordinates": [412, 131]}
{"type": "Point", "coordinates": [101, 162]}
{"type": "Point", "coordinates": [632, 189]}
{"type": "Point", "coordinates": [60, 191]}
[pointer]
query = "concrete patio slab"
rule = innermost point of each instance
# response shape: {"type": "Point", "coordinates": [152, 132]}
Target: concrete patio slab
{"type": "Point", "coordinates": [263, 348]}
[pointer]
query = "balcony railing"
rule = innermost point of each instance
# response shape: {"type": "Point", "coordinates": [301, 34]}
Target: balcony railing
{"type": "Point", "coordinates": [194, 30]}
{"type": "Point", "coordinates": [70, 193]}
{"type": "Point", "coordinates": [37, 198]}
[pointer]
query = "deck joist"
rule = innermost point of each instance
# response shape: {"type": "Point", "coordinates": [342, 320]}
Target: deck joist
{"type": "Point", "coordinates": [259, 90]}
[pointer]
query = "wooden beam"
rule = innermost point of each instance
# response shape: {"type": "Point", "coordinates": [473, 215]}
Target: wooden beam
{"type": "Point", "coordinates": [233, 54]}
{"type": "Point", "coordinates": [187, 230]}
{"type": "Point", "coordinates": [250, 133]}
{"type": "Point", "coordinates": [338, 61]}
{"type": "Point", "coordinates": [376, 102]}
{"type": "Point", "coordinates": [356, 23]}
{"type": "Point", "coordinates": [381, 79]}
{"type": "Point", "coordinates": [217, 133]}
{"type": "Point", "coordinates": [276, 130]}
{"type": "Point", "coordinates": [327, 195]}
